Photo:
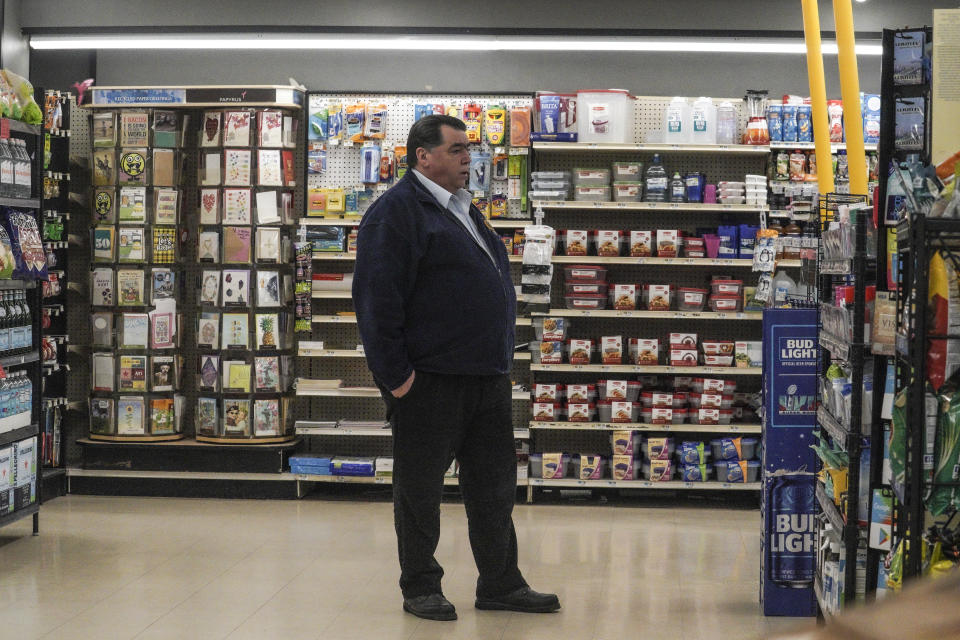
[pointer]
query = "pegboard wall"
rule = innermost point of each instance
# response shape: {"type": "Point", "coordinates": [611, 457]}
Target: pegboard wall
{"type": "Point", "coordinates": [187, 267]}
{"type": "Point", "coordinates": [343, 162]}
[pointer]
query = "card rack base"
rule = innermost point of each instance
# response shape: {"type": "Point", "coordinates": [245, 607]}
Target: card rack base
{"type": "Point", "coordinates": [130, 439]}
{"type": "Point", "coordinates": [247, 441]}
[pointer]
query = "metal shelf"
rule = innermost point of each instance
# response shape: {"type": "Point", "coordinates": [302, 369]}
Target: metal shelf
{"type": "Point", "coordinates": [518, 434]}
{"type": "Point", "coordinates": [577, 205]}
{"type": "Point", "coordinates": [331, 295]}
{"type": "Point", "coordinates": [642, 426]}
{"type": "Point", "coordinates": [319, 255]}
{"type": "Point", "coordinates": [834, 146]}
{"type": "Point", "coordinates": [674, 262]}
{"type": "Point", "coordinates": [832, 426]}
{"type": "Point", "coordinates": [353, 353]}
{"type": "Point", "coordinates": [19, 514]}
{"type": "Point", "coordinates": [24, 358]}
{"type": "Point", "coordinates": [829, 509]}
{"type": "Point", "coordinates": [818, 590]}
{"type": "Point", "coordinates": [722, 149]}
{"type": "Point", "coordinates": [20, 433]}
{"type": "Point", "coordinates": [645, 484]}
{"type": "Point", "coordinates": [447, 481]}
{"type": "Point", "coordinates": [22, 127]}
{"type": "Point", "coordinates": [835, 345]}
{"type": "Point", "coordinates": [352, 319]}
{"type": "Point", "coordinates": [664, 315]}
{"type": "Point", "coordinates": [329, 222]}
{"type": "Point", "coordinates": [21, 203]}
{"type": "Point", "coordinates": [631, 368]}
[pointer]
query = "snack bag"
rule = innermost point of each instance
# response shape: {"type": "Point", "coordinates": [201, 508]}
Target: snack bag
{"type": "Point", "coordinates": [943, 302]}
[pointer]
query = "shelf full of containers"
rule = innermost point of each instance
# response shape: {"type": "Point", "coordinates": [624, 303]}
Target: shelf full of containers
{"type": "Point", "coordinates": [656, 204]}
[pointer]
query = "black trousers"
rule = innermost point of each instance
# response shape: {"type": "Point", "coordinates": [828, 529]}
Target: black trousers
{"type": "Point", "coordinates": [444, 417]}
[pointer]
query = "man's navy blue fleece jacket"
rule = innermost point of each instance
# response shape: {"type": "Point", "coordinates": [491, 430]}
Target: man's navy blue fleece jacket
{"type": "Point", "coordinates": [427, 297]}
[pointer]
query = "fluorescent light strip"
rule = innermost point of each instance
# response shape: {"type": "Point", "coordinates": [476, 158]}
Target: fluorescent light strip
{"type": "Point", "coordinates": [414, 43]}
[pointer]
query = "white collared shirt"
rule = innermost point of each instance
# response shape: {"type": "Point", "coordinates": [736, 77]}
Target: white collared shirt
{"type": "Point", "coordinates": [459, 205]}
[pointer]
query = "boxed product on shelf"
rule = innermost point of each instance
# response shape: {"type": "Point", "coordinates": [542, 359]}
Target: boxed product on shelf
{"type": "Point", "coordinates": [710, 401]}
{"type": "Point", "coordinates": [608, 243]}
{"type": "Point", "coordinates": [641, 243]}
{"type": "Point", "coordinates": [586, 302]}
{"type": "Point", "coordinates": [551, 393]}
{"type": "Point", "coordinates": [585, 287]}
{"type": "Point", "coordinates": [657, 297]}
{"type": "Point", "coordinates": [631, 172]}
{"type": "Point", "coordinates": [696, 472]}
{"type": "Point", "coordinates": [627, 191]}
{"type": "Point", "coordinates": [669, 242]}
{"type": "Point", "coordinates": [623, 297]}
{"type": "Point", "coordinates": [663, 400]}
{"type": "Point", "coordinates": [342, 466]}
{"type": "Point", "coordinates": [693, 452]}
{"type": "Point", "coordinates": [718, 347]}
{"type": "Point", "coordinates": [591, 177]}
{"type": "Point", "coordinates": [581, 393]}
{"type": "Point", "coordinates": [717, 361]}
{"type": "Point", "coordinates": [547, 352]}
{"type": "Point", "coordinates": [555, 117]}
{"type": "Point", "coordinates": [547, 411]}
{"type": "Point", "coordinates": [591, 193]}
{"type": "Point", "coordinates": [611, 350]}
{"type": "Point", "coordinates": [659, 448]}
{"type": "Point", "coordinates": [585, 272]}
{"type": "Point", "coordinates": [683, 357]}
{"type": "Point", "coordinates": [605, 116]}
{"type": "Point", "coordinates": [625, 443]}
{"type": "Point", "coordinates": [581, 351]}
{"type": "Point", "coordinates": [644, 351]}
{"type": "Point", "coordinates": [663, 415]}
{"type": "Point", "coordinates": [576, 242]}
{"type": "Point", "coordinates": [713, 385]}
{"type": "Point", "coordinates": [581, 412]}
{"type": "Point", "coordinates": [737, 471]}
{"type": "Point", "coordinates": [553, 465]}
{"type": "Point", "coordinates": [748, 353]}
{"type": "Point", "coordinates": [311, 463]}
{"type": "Point", "coordinates": [551, 329]}
{"type": "Point", "coordinates": [658, 470]}
{"type": "Point", "coordinates": [711, 416]}
{"type": "Point", "coordinates": [624, 467]}
{"type": "Point", "coordinates": [694, 247]}
{"type": "Point", "coordinates": [588, 466]}
{"type": "Point", "coordinates": [619, 389]}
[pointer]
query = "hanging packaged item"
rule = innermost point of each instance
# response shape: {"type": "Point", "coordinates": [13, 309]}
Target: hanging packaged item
{"type": "Point", "coordinates": [375, 126]}
{"type": "Point", "coordinates": [386, 165]}
{"type": "Point", "coordinates": [495, 124]}
{"type": "Point", "coordinates": [400, 161]}
{"type": "Point", "coordinates": [472, 117]}
{"type": "Point", "coordinates": [370, 164]}
{"type": "Point", "coordinates": [354, 116]}
{"type": "Point", "coordinates": [520, 127]}
{"type": "Point", "coordinates": [943, 301]}
{"type": "Point", "coordinates": [335, 122]}
{"type": "Point", "coordinates": [479, 171]}
{"type": "Point", "coordinates": [835, 115]}
{"type": "Point", "coordinates": [26, 245]}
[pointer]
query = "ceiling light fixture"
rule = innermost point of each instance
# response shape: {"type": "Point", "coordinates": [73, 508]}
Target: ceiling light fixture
{"type": "Point", "coordinates": [435, 43]}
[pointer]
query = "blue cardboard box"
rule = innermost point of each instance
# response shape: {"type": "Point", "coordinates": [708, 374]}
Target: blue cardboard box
{"type": "Point", "coordinates": [790, 353]}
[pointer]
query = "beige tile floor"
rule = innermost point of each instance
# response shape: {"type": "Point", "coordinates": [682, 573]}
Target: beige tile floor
{"type": "Point", "coordinates": [110, 568]}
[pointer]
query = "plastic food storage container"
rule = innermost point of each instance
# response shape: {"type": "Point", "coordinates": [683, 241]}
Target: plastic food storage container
{"type": "Point", "coordinates": [627, 172]}
{"type": "Point", "coordinates": [717, 361]}
{"type": "Point", "coordinates": [581, 412]}
{"type": "Point", "coordinates": [731, 199]}
{"type": "Point", "coordinates": [547, 352]}
{"type": "Point", "coordinates": [607, 242]}
{"type": "Point", "coordinates": [580, 287]}
{"type": "Point", "coordinates": [536, 465]}
{"type": "Point", "coordinates": [548, 392]}
{"type": "Point", "coordinates": [628, 191]}
{"type": "Point", "coordinates": [653, 415]}
{"type": "Point", "coordinates": [588, 466]}
{"type": "Point", "coordinates": [626, 443]}
{"type": "Point", "coordinates": [718, 347]}
{"type": "Point", "coordinates": [623, 297]}
{"type": "Point", "coordinates": [640, 243]}
{"type": "Point", "coordinates": [696, 472]}
{"type": "Point", "coordinates": [663, 399]}
{"type": "Point", "coordinates": [692, 455]}
{"type": "Point", "coordinates": [585, 272]}
{"type": "Point", "coordinates": [550, 175]}
{"type": "Point", "coordinates": [726, 287]}
{"type": "Point", "coordinates": [710, 401]}
{"type": "Point", "coordinates": [644, 351]}
{"type": "Point", "coordinates": [691, 299]}
{"type": "Point", "coordinates": [621, 411]}
{"type": "Point", "coordinates": [591, 194]}
{"type": "Point", "coordinates": [555, 465]}
{"type": "Point", "coordinates": [547, 411]}
{"type": "Point", "coordinates": [554, 329]}
{"type": "Point", "coordinates": [575, 242]}
{"type": "Point", "coordinates": [711, 416]}
{"type": "Point", "coordinates": [657, 297]}
{"type": "Point", "coordinates": [581, 393]}
{"type": "Point", "coordinates": [591, 177]}
{"type": "Point", "coordinates": [580, 351]}
{"type": "Point", "coordinates": [624, 467]}
{"type": "Point", "coordinates": [632, 393]}
{"type": "Point", "coordinates": [748, 446]}
{"type": "Point", "coordinates": [548, 196]}
{"type": "Point", "coordinates": [586, 302]}
{"type": "Point", "coordinates": [728, 304]}
{"type": "Point", "coordinates": [663, 473]}
{"type": "Point", "coordinates": [551, 185]}
{"type": "Point", "coordinates": [605, 116]}
{"type": "Point", "coordinates": [713, 385]}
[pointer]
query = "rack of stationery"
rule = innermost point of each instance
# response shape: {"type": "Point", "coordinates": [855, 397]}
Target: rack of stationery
{"type": "Point", "coordinates": [55, 336]}
{"type": "Point", "coordinates": [200, 184]}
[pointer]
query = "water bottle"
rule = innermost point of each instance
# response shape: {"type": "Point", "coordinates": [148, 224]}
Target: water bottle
{"type": "Point", "coordinates": [27, 320]}
{"type": "Point", "coordinates": [726, 124]}
{"type": "Point", "coordinates": [22, 169]}
{"type": "Point", "coordinates": [704, 120]}
{"type": "Point", "coordinates": [656, 179]}
{"type": "Point", "coordinates": [676, 122]}
{"type": "Point", "coordinates": [7, 184]}
{"type": "Point", "coordinates": [678, 188]}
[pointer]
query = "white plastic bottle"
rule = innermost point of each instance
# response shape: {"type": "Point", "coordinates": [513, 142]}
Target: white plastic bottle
{"type": "Point", "coordinates": [726, 124]}
{"type": "Point", "coordinates": [676, 122]}
{"type": "Point", "coordinates": [704, 122]}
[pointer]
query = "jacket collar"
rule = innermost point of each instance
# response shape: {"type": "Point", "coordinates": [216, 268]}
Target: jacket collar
{"type": "Point", "coordinates": [423, 194]}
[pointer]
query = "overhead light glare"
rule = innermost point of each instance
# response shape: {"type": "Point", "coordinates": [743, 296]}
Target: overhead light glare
{"type": "Point", "coordinates": [434, 43]}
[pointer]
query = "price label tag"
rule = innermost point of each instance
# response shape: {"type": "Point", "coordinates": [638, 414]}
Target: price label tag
{"type": "Point", "coordinates": [4, 128]}
{"type": "Point", "coordinates": [597, 205]}
{"type": "Point", "coordinates": [674, 205]}
{"type": "Point", "coordinates": [621, 205]}
{"type": "Point", "coordinates": [347, 144]}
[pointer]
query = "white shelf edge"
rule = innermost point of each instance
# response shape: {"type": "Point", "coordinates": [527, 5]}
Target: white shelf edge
{"type": "Point", "coordinates": [178, 475]}
{"type": "Point", "coordinates": [649, 206]}
{"type": "Point", "coordinates": [724, 149]}
{"type": "Point", "coordinates": [630, 368]}
{"type": "Point", "coordinates": [642, 426]}
{"type": "Point", "coordinates": [319, 294]}
{"type": "Point", "coordinates": [645, 484]}
{"type": "Point", "coordinates": [387, 480]}
{"type": "Point", "coordinates": [669, 315]}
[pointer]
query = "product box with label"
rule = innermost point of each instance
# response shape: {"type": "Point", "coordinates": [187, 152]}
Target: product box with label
{"type": "Point", "coordinates": [25, 461]}
{"type": "Point", "coordinates": [611, 349]}
{"type": "Point", "coordinates": [668, 243]}
{"type": "Point", "coordinates": [748, 353]}
{"type": "Point", "coordinates": [645, 352]}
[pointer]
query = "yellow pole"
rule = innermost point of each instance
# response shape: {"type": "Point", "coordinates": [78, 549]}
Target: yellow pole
{"type": "Point", "coordinates": [818, 95]}
{"type": "Point", "coordinates": [850, 90]}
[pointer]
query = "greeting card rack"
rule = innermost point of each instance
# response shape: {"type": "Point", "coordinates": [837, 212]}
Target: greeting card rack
{"type": "Point", "coordinates": [212, 206]}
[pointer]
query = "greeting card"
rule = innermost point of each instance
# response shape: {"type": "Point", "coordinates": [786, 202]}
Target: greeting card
{"type": "Point", "coordinates": [269, 171]}
{"type": "Point", "coordinates": [209, 373]}
{"type": "Point", "coordinates": [267, 208]}
{"type": "Point", "coordinates": [236, 167]}
{"type": "Point", "coordinates": [164, 168]}
{"type": "Point", "coordinates": [235, 290]}
{"type": "Point", "coordinates": [268, 289]}
{"type": "Point", "coordinates": [134, 331]}
{"type": "Point", "coordinates": [162, 416]}
{"type": "Point", "coordinates": [163, 373]}
{"type": "Point", "coordinates": [238, 377]}
{"type": "Point", "coordinates": [208, 330]}
{"type": "Point", "coordinates": [165, 129]}
{"type": "Point", "coordinates": [102, 417]}
{"type": "Point", "coordinates": [236, 331]}
{"type": "Point", "coordinates": [130, 286]}
{"type": "Point", "coordinates": [164, 245]}
{"type": "Point", "coordinates": [162, 329]}
{"type": "Point", "coordinates": [104, 167]}
{"type": "Point", "coordinates": [210, 133]}
{"type": "Point", "coordinates": [267, 371]}
{"type": "Point", "coordinates": [236, 417]}
{"type": "Point", "coordinates": [210, 287]}
{"type": "Point", "coordinates": [101, 329]}
{"type": "Point", "coordinates": [236, 129]}
{"type": "Point", "coordinates": [270, 126]}
{"type": "Point", "coordinates": [236, 245]}
{"type": "Point", "coordinates": [208, 246]}
{"type": "Point", "coordinates": [134, 129]}
{"type": "Point", "coordinates": [164, 281]}
{"type": "Point", "coordinates": [210, 169]}
{"type": "Point", "coordinates": [102, 374]}
{"type": "Point", "coordinates": [289, 169]}
{"type": "Point", "coordinates": [207, 420]}
{"type": "Point", "coordinates": [209, 206]}
{"type": "Point", "coordinates": [268, 330]}
{"type": "Point", "coordinates": [104, 244]}
{"type": "Point", "coordinates": [130, 414]}
{"type": "Point", "coordinates": [132, 167]}
{"type": "Point", "coordinates": [166, 205]}
{"type": "Point", "coordinates": [105, 129]}
{"type": "Point", "coordinates": [101, 288]}
{"type": "Point", "coordinates": [236, 206]}
{"type": "Point", "coordinates": [133, 205]}
{"type": "Point", "coordinates": [130, 245]}
{"type": "Point", "coordinates": [133, 373]}
{"type": "Point", "coordinates": [105, 205]}
{"type": "Point", "coordinates": [266, 417]}
{"type": "Point", "coordinates": [268, 244]}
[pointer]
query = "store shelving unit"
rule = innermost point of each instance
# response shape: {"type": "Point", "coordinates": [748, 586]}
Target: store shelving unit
{"type": "Point", "coordinates": [719, 162]}
{"type": "Point", "coordinates": [19, 434]}
{"type": "Point", "coordinates": [851, 349]}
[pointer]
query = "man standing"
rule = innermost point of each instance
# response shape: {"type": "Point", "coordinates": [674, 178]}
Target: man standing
{"type": "Point", "coordinates": [436, 311]}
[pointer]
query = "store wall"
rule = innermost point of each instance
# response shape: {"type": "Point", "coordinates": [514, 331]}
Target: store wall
{"type": "Point", "coordinates": [14, 54]}
{"type": "Point", "coordinates": [726, 75]}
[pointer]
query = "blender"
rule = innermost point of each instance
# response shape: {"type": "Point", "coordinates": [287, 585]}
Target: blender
{"type": "Point", "coordinates": [757, 131]}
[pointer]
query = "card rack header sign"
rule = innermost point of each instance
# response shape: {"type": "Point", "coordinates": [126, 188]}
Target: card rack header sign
{"type": "Point", "coordinates": [188, 96]}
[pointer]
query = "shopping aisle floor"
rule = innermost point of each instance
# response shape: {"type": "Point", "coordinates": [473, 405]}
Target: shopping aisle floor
{"type": "Point", "coordinates": [109, 568]}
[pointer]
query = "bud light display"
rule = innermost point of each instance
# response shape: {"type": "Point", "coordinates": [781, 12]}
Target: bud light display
{"type": "Point", "coordinates": [790, 353]}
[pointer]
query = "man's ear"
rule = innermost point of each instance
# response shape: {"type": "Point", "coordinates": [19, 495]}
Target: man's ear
{"type": "Point", "coordinates": [421, 155]}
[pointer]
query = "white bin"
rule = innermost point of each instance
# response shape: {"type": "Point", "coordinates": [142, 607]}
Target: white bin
{"type": "Point", "coordinates": [605, 116]}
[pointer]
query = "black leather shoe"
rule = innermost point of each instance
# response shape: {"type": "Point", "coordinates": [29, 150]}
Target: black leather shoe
{"type": "Point", "coordinates": [430, 607]}
{"type": "Point", "coordinates": [524, 599]}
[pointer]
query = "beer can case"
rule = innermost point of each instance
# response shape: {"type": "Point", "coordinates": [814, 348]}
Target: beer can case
{"type": "Point", "coordinates": [789, 545]}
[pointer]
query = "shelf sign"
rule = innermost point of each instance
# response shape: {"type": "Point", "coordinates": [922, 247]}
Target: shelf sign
{"type": "Point", "coordinates": [134, 96]}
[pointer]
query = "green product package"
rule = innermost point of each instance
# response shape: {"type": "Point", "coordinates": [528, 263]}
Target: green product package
{"type": "Point", "coordinates": [8, 261]}
{"type": "Point", "coordinates": [946, 455]}
{"type": "Point", "coordinates": [898, 439]}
